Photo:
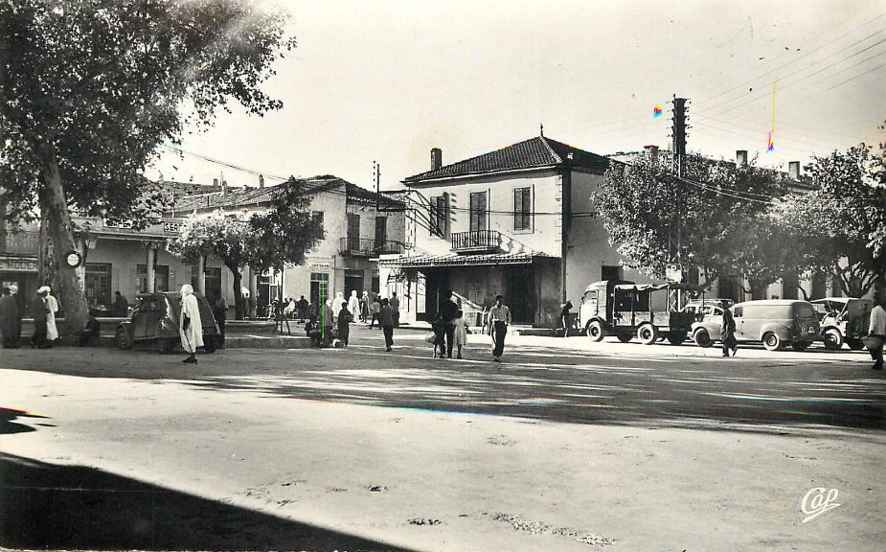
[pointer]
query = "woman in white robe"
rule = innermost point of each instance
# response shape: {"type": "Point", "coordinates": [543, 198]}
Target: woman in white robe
{"type": "Point", "coordinates": [190, 326]}
{"type": "Point", "coordinates": [354, 306]}
{"type": "Point", "coordinates": [51, 308]}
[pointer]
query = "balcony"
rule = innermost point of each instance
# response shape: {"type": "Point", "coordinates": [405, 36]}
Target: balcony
{"type": "Point", "coordinates": [25, 243]}
{"type": "Point", "coordinates": [477, 241]}
{"type": "Point", "coordinates": [357, 247]}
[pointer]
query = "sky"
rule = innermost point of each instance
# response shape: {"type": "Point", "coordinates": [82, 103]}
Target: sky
{"type": "Point", "coordinates": [388, 80]}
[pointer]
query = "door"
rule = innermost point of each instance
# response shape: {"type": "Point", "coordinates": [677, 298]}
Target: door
{"type": "Point", "coordinates": [353, 282]}
{"type": "Point", "coordinates": [381, 232]}
{"type": "Point", "coordinates": [436, 284]}
{"type": "Point", "coordinates": [319, 288]}
{"type": "Point", "coordinates": [520, 294]}
{"type": "Point", "coordinates": [478, 211]}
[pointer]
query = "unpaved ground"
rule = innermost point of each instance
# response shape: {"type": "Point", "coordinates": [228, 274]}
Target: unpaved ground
{"type": "Point", "coordinates": [260, 464]}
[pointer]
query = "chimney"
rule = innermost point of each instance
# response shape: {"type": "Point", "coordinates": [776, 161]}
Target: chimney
{"type": "Point", "coordinates": [224, 185]}
{"type": "Point", "coordinates": [652, 154]}
{"type": "Point", "coordinates": [261, 181]}
{"type": "Point", "coordinates": [741, 158]}
{"type": "Point", "coordinates": [436, 158]}
{"type": "Point", "coordinates": [215, 182]}
{"type": "Point", "coordinates": [794, 170]}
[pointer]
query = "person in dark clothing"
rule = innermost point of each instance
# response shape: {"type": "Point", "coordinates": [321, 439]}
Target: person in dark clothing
{"type": "Point", "coordinates": [499, 320]}
{"type": "Point", "coordinates": [10, 319]}
{"type": "Point", "coordinates": [387, 323]}
{"type": "Point", "coordinates": [727, 332]}
{"type": "Point", "coordinates": [90, 333]}
{"type": "Point", "coordinates": [344, 319]}
{"type": "Point", "coordinates": [565, 317]}
{"type": "Point", "coordinates": [301, 307]}
{"type": "Point", "coordinates": [121, 305]}
{"type": "Point", "coordinates": [438, 326]}
{"type": "Point", "coordinates": [449, 311]}
{"type": "Point", "coordinates": [39, 310]}
{"type": "Point", "coordinates": [219, 311]}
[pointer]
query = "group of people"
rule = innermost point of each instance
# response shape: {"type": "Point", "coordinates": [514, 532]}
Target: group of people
{"type": "Point", "coordinates": [451, 329]}
{"type": "Point", "coordinates": [43, 306]}
{"type": "Point", "coordinates": [334, 318]}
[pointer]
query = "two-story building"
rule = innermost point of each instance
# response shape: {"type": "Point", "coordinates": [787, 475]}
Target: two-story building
{"type": "Point", "coordinates": [515, 221]}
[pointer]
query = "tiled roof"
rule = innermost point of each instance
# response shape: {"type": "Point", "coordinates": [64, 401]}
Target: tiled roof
{"type": "Point", "coordinates": [492, 259]}
{"type": "Point", "coordinates": [241, 197]}
{"type": "Point", "coordinates": [536, 152]}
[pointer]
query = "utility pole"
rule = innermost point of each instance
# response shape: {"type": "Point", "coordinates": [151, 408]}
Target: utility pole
{"type": "Point", "coordinates": [678, 148]}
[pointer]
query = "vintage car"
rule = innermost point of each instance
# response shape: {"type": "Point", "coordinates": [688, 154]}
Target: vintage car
{"type": "Point", "coordinates": [155, 320]}
{"type": "Point", "coordinates": [702, 309]}
{"type": "Point", "coordinates": [843, 320]}
{"type": "Point", "coordinates": [625, 309]}
{"type": "Point", "coordinates": [775, 323]}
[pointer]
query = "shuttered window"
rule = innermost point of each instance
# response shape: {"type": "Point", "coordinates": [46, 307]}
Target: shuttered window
{"type": "Point", "coordinates": [523, 209]}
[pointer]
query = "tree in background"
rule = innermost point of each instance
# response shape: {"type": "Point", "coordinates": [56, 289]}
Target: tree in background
{"type": "Point", "coordinates": [226, 236]}
{"type": "Point", "coordinates": [838, 227]}
{"type": "Point", "coordinates": [89, 89]}
{"type": "Point", "coordinates": [656, 219]}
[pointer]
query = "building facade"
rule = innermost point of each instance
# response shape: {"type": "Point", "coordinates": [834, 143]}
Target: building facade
{"type": "Point", "coordinates": [515, 221]}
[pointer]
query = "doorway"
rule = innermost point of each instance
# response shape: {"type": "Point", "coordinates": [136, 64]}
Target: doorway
{"type": "Point", "coordinates": [353, 282]}
{"type": "Point", "coordinates": [520, 294]}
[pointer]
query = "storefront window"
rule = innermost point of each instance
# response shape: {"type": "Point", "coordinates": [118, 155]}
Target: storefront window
{"type": "Point", "coordinates": [98, 285]}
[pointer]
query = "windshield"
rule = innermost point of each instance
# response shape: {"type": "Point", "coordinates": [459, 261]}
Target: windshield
{"type": "Point", "coordinates": [804, 310]}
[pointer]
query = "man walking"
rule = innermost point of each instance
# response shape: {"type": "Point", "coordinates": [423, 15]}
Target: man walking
{"type": "Point", "coordinates": [727, 332]}
{"type": "Point", "coordinates": [10, 319]}
{"type": "Point", "coordinates": [387, 323]}
{"type": "Point", "coordinates": [499, 320]}
{"type": "Point", "coordinates": [39, 310]}
{"type": "Point", "coordinates": [190, 326]}
{"type": "Point", "coordinates": [220, 312]}
{"type": "Point", "coordinates": [877, 331]}
{"type": "Point", "coordinates": [395, 308]}
{"type": "Point", "coordinates": [449, 310]}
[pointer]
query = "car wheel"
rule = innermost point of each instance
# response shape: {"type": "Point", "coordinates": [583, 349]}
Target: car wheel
{"type": "Point", "coordinates": [855, 344]}
{"type": "Point", "coordinates": [595, 331]}
{"type": "Point", "coordinates": [702, 338]}
{"type": "Point", "coordinates": [676, 338]}
{"type": "Point", "coordinates": [625, 338]}
{"type": "Point", "coordinates": [123, 339]}
{"type": "Point", "coordinates": [772, 342]}
{"type": "Point", "coordinates": [800, 345]}
{"type": "Point", "coordinates": [647, 334]}
{"type": "Point", "coordinates": [833, 339]}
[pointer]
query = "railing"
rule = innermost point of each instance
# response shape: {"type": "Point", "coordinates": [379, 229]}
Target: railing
{"type": "Point", "coordinates": [357, 247]}
{"type": "Point", "coordinates": [20, 243]}
{"type": "Point", "coordinates": [478, 240]}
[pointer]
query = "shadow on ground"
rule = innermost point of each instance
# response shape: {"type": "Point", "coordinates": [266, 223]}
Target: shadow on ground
{"type": "Point", "coordinates": [73, 507]}
{"type": "Point", "coordinates": [7, 425]}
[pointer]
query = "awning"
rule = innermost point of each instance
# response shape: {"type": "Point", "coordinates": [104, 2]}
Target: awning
{"type": "Point", "coordinates": [453, 260]}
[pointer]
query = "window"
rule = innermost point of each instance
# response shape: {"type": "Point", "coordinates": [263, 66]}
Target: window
{"type": "Point", "coordinates": [610, 273]}
{"type": "Point", "coordinates": [161, 278]}
{"type": "Point", "coordinates": [439, 215]}
{"type": "Point", "coordinates": [98, 284]}
{"type": "Point", "coordinates": [738, 312]}
{"type": "Point", "coordinates": [478, 211]}
{"type": "Point", "coordinates": [317, 217]}
{"type": "Point", "coordinates": [354, 231]}
{"type": "Point", "coordinates": [523, 209]}
{"type": "Point", "coordinates": [381, 231]}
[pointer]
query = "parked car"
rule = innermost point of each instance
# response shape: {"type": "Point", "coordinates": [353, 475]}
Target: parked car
{"type": "Point", "coordinates": [625, 309]}
{"type": "Point", "coordinates": [776, 323]}
{"type": "Point", "coordinates": [154, 319]}
{"type": "Point", "coordinates": [843, 320]}
{"type": "Point", "coordinates": [707, 308]}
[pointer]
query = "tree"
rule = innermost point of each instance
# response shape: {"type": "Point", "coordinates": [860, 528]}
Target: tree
{"type": "Point", "coordinates": [656, 219]}
{"type": "Point", "coordinates": [226, 236]}
{"type": "Point", "coordinates": [89, 89]}
{"type": "Point", "coordinates": [839, 225]}
{"type": "Point", "coordinates": [283, 233]}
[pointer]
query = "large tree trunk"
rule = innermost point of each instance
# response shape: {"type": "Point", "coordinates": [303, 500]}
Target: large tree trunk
{"type": "Point", "coordinates": [45, 257]}
{"type": "Point", "coordinates": [238, 292]}
{"type": "Point", "coordinates": [54, 208]}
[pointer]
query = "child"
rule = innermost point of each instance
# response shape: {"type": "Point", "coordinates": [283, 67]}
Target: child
{"type": "Point", "coordinates": [461, 330]}
{"type": "Point", "coordinates": [439, 329]}
{"type": "Point", "coordinates": [344, 318]}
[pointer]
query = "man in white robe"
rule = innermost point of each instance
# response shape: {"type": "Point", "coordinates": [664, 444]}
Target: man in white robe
{"type": "Point", "coordinates": [189, 324]}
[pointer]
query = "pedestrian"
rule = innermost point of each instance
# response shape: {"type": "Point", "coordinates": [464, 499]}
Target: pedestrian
{"type": "Point", "coordinates": [289, 311]}
{"type": "Point", "coordinates": [327, 323]}
{"type": "Point", "coordinates": [375, 311]}
{"type": "Point", "coordinates": [461, 331]}
{"type": "Point", "coordinates": [39, 312]}
{"type": "Point", "coordinates": [450, 312]}
{"type": "Point", "coordinates": [395, 308]}
{"type": "Point", "coordinates": [438, 338]}
{"type": "Point", "coordinates": [877, 331]}
{"type": "Point", "coordinates": [220, 312]}
{"type": "Point", "coordinates": [364, 307]}
{"type": "Point", "coordinates": [499, 320]}
{"type": "Point", "coordinates": [51, 309]}
{"type": "Point", "coordinates": [190, 324]}
{"type": "Point", "coordinates": [121, 305]}
{"type": "Point", "coordinates": [90, 333]}
{"type": "Point", "coordinates": [301, 306]}
{"type": "Point", "coordinates": [344, 319]}
{"type": "Point", "coordinates": [566, 316]}
{"type": "Point", "coordinates": [10, 319]}
{"type": "Point", "coordinates": [727, 332]}
{"type": "Point", "coordinates": [386, 319]}
{"type": "Point", "coordinates": [354, 305]}
{"type": "Point", "coordinates": [339, 301]}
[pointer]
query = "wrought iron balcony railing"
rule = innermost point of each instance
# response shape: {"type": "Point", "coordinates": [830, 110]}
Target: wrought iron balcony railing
{"type": "Point", "coordinates": [364, 247]}
{"type": "Point", "coordinates": [477, 240]}
{"type": "Point", "coordinates": [20, 243]}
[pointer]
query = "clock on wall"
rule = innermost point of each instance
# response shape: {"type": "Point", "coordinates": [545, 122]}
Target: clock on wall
{"type": "Point", "coordinates": [73, 259]}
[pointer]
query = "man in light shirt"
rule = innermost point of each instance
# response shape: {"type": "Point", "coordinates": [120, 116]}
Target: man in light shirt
{"type": "Point", "coordinates": [499, 320]}
{"type": "Point", "coordinates": [878, 329]}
